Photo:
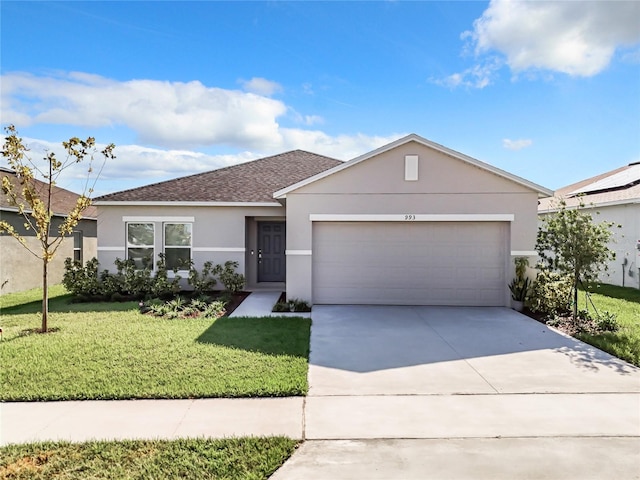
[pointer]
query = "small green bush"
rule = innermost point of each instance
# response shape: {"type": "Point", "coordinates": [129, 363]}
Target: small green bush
{"type": "Point", "coordinates": [233, 282]}
{"type": "Point", "coordinates": [607, 322]}
{"type": "Point", "coordinates": [293, 305]}
{"type": "Point", "coordinates": [182, 308]}
{"type": "Point", "coordinates": [520, 285]}
{"type": "Point", "coordinates": [203, 281]}
{"type": "Point", "coordinates": [81, 280]}
{"type": "Point", "coordinates": [550, 293]}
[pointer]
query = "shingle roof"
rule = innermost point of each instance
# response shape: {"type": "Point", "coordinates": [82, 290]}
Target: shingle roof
{"type": "Point", "coordinates": [254, 181]}
{"type": "Point", "coordinates": [620, 194]}
{"type": "Point", "coordinates": [63, 201]}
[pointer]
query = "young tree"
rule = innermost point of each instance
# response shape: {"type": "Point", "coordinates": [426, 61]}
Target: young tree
{"type": "Point", "coordinates": [570, 242]}
{"type": "Point", "coordinates": [33, 198]}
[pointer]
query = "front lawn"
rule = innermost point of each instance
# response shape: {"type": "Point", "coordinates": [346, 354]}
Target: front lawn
{"type": "Point", "coordinates": [111, 351]}
{"type": "Point", "coordinates": [625, 303]}
{"type": "Point", "coordinates": [246, 458]}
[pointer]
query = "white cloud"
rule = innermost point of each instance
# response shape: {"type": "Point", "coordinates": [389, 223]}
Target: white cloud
{"type": "Point", "coordinates": [260, 86]}
{"type": "Point", "coordinates": [478, 76]}
{"type": "Point", "coordinates": [168, 114]}
{"type": "Point", "coordinates": [136, 165]}
{"type": "Point", "coordinates": [516, 144]}
{"type": "Point", "coordinates": [573, 37]}
{"type": "Point", "coordinates": [576, 38]}
{"type": "Point", "coordinates": [343, 147]}
{"type": "Point", "coordinates": [180, 117]}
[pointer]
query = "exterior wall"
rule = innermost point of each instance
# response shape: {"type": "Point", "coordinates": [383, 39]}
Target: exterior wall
{"type": "Point", "coordinates": [625, 244]}
{"type": "Point", "coordinates": [446, 186]}
{"type": "Point", "coordinates": [20, 270]}
{"type": "Point", "coordinates": [219, 233]}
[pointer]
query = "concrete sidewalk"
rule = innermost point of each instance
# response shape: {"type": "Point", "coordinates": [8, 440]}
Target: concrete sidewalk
{"type": "Point", "coordinates": [257, 304]}
{"type": "Point", "coordinates": [79, 421]}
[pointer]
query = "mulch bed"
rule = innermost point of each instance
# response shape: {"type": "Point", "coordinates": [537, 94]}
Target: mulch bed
{"type": "Point", "coordinates": [564, 323]}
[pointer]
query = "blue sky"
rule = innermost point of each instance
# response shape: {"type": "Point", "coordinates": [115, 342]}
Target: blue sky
{"type": "Point", "coordinates": [549, 91]}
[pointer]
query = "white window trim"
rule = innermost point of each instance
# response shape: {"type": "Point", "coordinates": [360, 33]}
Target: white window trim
{"type": "Point", "coordinates": [164, 241]}
{"type": "Point", "coordinates": [128, 246]}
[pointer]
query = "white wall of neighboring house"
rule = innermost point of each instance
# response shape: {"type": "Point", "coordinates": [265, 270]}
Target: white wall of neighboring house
{"type": "Point", "coordinates": [625, 269]}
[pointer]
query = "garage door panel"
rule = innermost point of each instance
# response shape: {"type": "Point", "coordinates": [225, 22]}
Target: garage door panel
{"type": "Point", "coordinates": [440, 263]}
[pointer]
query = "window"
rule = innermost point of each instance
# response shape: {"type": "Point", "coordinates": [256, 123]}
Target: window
{"type": "Point", "coordinates": [77, 246]}
{"type": "Point", "coordinates": [140, 242]}
{"type": "Point", "coordinates": [177, 245]}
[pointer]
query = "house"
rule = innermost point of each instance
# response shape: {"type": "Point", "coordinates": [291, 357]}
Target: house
{"type": "Point", "coordinates": [615, 197]}
{"type": "Point", "coordinates": [19, 269]}
{"type": "Point", "coordinates": [412, 222]}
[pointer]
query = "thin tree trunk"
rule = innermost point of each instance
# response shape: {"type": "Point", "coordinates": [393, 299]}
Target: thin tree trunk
{"type": "Point", "coordinates": [575, 300]}
{"type": "Point", "coordinates": [45, 295]}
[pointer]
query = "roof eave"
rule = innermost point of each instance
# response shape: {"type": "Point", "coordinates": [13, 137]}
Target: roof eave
{"type": "Point", "coordinates": [612, 203]}
{"type": "Point", "coordinates": [129, 203]}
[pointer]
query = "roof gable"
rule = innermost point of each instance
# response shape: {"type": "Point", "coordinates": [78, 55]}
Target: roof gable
{"type": "Point", "coordinates": [250, 182]}
{"type": "Point", "coordinates": [542, 192]}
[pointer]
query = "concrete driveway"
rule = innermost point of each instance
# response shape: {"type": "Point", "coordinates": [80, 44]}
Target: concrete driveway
{"type": "Point", "coordinates": [399, 392]}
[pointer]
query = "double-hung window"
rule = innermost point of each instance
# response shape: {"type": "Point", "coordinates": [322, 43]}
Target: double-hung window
{"type": "Point", "coordinates": [77, 246]}
{"type": "Point", "coordinates": [140, 244]}
{"type": "Point", "coordinates": [177, 245]}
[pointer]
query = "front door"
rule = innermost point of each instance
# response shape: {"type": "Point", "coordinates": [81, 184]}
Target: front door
{"type": "Point", "coordinates": [271, 251]}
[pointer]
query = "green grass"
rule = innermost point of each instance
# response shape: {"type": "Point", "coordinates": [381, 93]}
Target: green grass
{"type": "Point", "coordinates": [111, 351]}
{"type": "Point", "coordinates": [242, 458]}
{"type": "Point", "coordinates": [625, 303]}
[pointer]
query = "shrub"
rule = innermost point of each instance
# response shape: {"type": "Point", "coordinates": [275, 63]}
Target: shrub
{"type": "Point", "coordinates": [550, 293]}
{"type": "Point", "coordinates": [131, 281]}
{"type": "Point", "coordinates": [214, 310]}
{"type": "Point", "coordinates": [293, 305]}
{"type": "Point", "coordinates": [161, 286]}
{"type": "Point", "coordinates": [81, 280]}
{"type": "Point", "coordinates": [232, 281]}
{"type": "Point", "coordinates": [202, 281]}
{"type": "Point", "coordinates": [520, 285]}
{"type": "Point", "coordinates": [607, 322]}
{"type": "Point", "coordinates": [181, 308]}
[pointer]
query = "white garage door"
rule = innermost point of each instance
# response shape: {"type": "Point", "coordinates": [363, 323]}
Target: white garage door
{"type": "Point", "coordinates": [417, 263]}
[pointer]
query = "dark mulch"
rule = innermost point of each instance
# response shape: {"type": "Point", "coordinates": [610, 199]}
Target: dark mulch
{"type": "Point", "coordinates": [564, 323]}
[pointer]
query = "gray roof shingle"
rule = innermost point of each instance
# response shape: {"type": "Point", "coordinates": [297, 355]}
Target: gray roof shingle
{"type": "Point", "coordinates": [253, 181]}
{"type": "Point", "coordinates": [62, 200]}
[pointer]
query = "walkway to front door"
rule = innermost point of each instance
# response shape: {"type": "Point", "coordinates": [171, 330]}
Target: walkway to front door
{"type": "Point", "coordinates": [271, 251]}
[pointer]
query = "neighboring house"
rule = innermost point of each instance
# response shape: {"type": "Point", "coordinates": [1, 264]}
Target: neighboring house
{"type": "Point", "coordinates": [19, 269]}
{"type": "Point", "coordinates": [615, 197]}
{"type": "Point", "coordinates": [410, 223]}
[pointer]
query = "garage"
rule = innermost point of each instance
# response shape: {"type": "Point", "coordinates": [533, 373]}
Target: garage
{"type": "Point", "coordinates": [410, 263]}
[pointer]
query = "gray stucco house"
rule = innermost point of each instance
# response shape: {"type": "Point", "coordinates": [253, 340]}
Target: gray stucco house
{"type": "Point", "coordinates": [412, 223]}
{"type": "Point", "coordinates": [19, 269]}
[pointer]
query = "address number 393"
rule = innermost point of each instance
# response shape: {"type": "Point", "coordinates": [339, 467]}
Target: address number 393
{"type": "Point", "coordinates": [409, 217]}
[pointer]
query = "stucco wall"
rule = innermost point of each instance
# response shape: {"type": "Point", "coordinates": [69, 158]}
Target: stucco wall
{"type": "Point", "coordinates": [377, 186]}
{"type": "Point", "coordinates": [20, 270]}
{"type": "Point", "coordinates": [219, 233]}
